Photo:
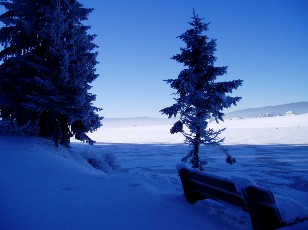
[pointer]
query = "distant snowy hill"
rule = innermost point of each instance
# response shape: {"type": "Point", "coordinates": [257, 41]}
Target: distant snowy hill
{"type": "Point", "coordinates": [297, 108]}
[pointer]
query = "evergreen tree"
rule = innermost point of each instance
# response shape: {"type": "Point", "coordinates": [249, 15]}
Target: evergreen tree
{"type": "Point", "coordinates": [199, 97]}
{"type": "Point", "coordinates": [47, 67]}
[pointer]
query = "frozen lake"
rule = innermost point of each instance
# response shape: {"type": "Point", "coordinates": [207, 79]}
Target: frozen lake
{"type": "Point", "coordinates": [281, 168]}
{"type": "Point", "coordinates": [272, 151]}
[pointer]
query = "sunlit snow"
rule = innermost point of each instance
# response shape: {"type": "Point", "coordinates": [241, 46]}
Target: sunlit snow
{"type": "Point", "coordinates": [42, 187]}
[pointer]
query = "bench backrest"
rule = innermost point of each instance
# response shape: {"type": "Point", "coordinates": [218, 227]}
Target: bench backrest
{"type": "Point", "coordinates": [259, 202]}
{"type": "Point", "coordinates": [198, 187]}
{"type": "Point", "coordinates": [262, 207]}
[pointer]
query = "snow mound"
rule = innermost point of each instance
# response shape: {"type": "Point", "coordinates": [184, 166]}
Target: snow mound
{"type": "Point", "coordinates": [47, 188]}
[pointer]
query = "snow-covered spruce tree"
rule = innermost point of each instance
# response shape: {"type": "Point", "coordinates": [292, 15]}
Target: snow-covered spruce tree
{"type": "Point", "coordinates": [199, 97]}
{"type": "Point", "coordinates": [47, 66]}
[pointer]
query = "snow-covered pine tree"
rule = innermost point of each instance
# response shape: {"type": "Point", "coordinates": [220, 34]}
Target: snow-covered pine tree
{"type": "Point", "coordinates": [17, 39]}
{"type": "Point", "coordinates": [199, 97]}
{"type": "Point", "coordinates": [47, 67]}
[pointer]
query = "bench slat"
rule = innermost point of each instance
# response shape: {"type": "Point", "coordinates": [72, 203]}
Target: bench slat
{"type": "Point", "coordinates": [215, 181]}
{"type": "Point", "coordinates": [218, 194]}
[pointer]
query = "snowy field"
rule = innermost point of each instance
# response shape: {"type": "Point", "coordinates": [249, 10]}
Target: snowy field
{"type": "Point", "coordinates": [46, 188]}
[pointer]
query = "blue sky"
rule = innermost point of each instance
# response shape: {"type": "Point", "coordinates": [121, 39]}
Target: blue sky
{"type": "Point", "coordinates": [262, 42]}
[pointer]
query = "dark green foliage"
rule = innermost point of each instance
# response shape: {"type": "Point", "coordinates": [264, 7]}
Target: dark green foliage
{"type": "Point", "coordinates": [47, 66]}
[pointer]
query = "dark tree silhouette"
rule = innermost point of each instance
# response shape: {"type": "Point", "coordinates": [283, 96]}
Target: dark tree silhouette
{"type": "Point", "coordinates": [47, 66]}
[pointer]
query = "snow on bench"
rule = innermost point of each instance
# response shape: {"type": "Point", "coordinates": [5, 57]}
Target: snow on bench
{"type": "Point", "coordinates": [197, 187]}
{"type": "Point", "coordinates": [259, 202]}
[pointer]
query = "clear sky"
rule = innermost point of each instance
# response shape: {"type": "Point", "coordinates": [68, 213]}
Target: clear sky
{"type": "Point", "coordinates": [263, 42]}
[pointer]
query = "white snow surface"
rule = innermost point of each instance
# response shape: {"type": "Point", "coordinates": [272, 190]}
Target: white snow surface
{"type": "Point", "coordinates": [42, 187]}
{"type": "Point", "coordinates": [267, 130]}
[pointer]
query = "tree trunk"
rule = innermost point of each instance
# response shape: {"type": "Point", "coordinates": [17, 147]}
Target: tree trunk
{"type": "Point", "coordinates": [65, 131]}
{"type": "Point", "coordinates": [44, 125]}
{"type": "Point", "coordinates": [195, 158]}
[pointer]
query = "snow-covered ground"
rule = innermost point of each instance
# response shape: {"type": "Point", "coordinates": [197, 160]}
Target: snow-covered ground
{"type": "Point", "coordinates": [42, 187]}
{"type": "Point", "coordinates": [270, 130]}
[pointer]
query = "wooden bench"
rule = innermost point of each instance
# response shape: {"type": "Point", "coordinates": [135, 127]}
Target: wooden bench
{"type": "Point", "coordinates": [197, 187]}
{"type": "Point", "coordinates": [258, 202]}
